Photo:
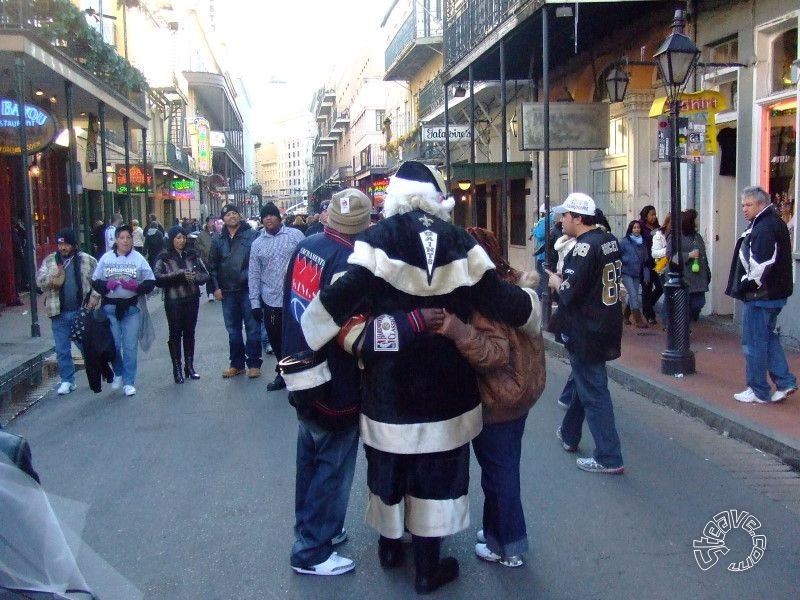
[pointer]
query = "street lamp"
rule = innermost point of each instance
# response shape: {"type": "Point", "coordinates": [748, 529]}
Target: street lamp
{"type": "Point", "coordinates": [675, 59]}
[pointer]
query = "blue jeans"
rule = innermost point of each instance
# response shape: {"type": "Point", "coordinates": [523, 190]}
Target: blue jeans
{"type": "Point", "coordinates": [589, 384]}
{"type": "Point", "coordinates": [62, 324]}
{"type": "Point", "coordinates": [126, 340]}
{"type": "Point", "coordinates": [326, 461]}
{"type": "Point", "coordinates": [236, 311]}
{"type": "Point", "coordinates": [568, 393]}
{"type": "Point", "coordinates": [763, 352]}
{"type": "Point", "coordinates": [498, 449]}
{"type": "Point", "coordinates": [633, 285]}
{"type": "Point", "coordinates": [265, 344]}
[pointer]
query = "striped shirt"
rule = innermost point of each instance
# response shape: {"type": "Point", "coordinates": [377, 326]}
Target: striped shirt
{"type": "Point", "coordinates": [269, 259]}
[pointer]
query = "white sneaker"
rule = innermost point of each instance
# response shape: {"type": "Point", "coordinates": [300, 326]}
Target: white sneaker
{"type": "Point", "coordinates": [335, 565]}
{"type": "Point", "coordinates": [781, 395]}
{"type": "Point", "coordinates": [117, 383]}
{"type": "Point", "coordinates": [479, 535]}
{"type": "Point", "coordinates": [129, 390]}
{"type": "Point", "coordinates": [482, 551]}
{"type": "Point", "coordinates": [339, 538]}
{"type": "Point", "coordinates": [748, 395]}
{"type": "Point", "coordinates": [65, 388]}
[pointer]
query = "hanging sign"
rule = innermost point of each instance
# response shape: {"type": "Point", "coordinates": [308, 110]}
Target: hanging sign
{"type": "Point", "coordinates": [573, 126]}
{"type": "Point", "coordinates": [40, 128]}
{"type": "Point", "coordinates": [201, 145]}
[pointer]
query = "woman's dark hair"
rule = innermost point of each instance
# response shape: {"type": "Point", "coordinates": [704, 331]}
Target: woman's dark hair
{"type": "Point", "coordinates": [666, 227]}
{"type": "Point", "coordinates": [630, 227]}
{"type": "Point", "coordinates": [688, 221]}
{"type": "Point", "coordinates": [644, 212]}
{"type": "Point", "coordinates": [122, 228]}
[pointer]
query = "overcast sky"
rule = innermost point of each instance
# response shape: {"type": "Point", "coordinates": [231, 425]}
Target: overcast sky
{"type": "Point", "coordinates": [288, 49]}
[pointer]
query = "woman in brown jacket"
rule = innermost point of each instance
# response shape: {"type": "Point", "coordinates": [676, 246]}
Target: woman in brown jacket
{"type": "Point", "coordinates": [511, 377]}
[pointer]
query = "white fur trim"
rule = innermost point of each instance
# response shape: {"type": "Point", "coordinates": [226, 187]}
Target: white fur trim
{"type": "Point", "coordinates": [423, 517]}
{"type": "Point", "coordinates": [414, 280]}
{"type": "Point", "coordinates": [533, 326]}
{"type": "Point", "coordinates": [408, 187]}
{"type": "Point", "coordinates": [421, 438]}
{"type": "Point", "coordinates": [318, 325]}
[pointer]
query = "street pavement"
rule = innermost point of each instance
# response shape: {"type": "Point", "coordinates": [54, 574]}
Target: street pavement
{"type": "Point", "coordinates": [186, 492]}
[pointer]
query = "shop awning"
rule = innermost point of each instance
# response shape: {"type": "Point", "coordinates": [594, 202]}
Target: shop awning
{"type": "Point", "coordinates": [490, 171]}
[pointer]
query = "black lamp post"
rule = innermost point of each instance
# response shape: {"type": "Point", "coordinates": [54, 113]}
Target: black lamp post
{"type": "Point", "coordinates": [675, 59]}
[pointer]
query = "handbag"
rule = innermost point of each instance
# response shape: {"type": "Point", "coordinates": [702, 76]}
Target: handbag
{"type": "Point", "coordinates": [661, 265]}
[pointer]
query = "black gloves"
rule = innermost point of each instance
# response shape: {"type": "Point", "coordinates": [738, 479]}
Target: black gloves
{"type": "Point", "coordinates": [258, 314]}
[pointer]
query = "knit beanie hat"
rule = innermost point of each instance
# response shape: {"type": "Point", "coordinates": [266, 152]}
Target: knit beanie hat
{"type": "Point", "coordinates": [270, 209]}
{"type": "Point", "coordinates": [67, 236]}
{"type": "Point", "coordinates": [174, 231]}
{"type": "Point", "coordinates": [349, 211]}
{"type": "Point", "coordinates": [228, 208]}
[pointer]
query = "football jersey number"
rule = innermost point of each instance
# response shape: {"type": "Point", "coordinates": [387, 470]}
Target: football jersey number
{"type": "Point", "coordinates": [611, 277]}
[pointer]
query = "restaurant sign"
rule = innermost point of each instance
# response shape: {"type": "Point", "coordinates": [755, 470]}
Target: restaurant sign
{"type": "Point", "coordinates": [436, 133]}
{"type": "Point", "coordinates": [40, 128]}
{"type": "Point", "coordinates": [137, 178]}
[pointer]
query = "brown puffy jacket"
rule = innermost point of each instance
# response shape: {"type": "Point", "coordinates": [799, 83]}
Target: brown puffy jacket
{"type": "Point", "coordinates": [510, 364]}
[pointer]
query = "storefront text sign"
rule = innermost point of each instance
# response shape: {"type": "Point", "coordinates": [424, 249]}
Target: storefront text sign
{"type": "Point", "coordinates": [137, 176]}
{"type": "Point", "coordinates": [573, 126]}
{"type": "Point", "coordinates": [697, 128]}
{"type": "Point", "coordinates": [40, 128]}
{"type": "Point", "coordinates": [436, 133]}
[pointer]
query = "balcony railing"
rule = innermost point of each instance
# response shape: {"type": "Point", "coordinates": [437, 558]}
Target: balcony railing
{"type": "Point", "coordinates": [420, 24]}
{"type": "Point", "coordinates": [469, 22]}
{"type": "Point", "coordinates": [431, 97]}
{"type": "Point", "coordinates": [373, 156]}
{"type": "Point", "coordinates": [166, 153]}
{"type": "Point", "coordinates": [63, 26]}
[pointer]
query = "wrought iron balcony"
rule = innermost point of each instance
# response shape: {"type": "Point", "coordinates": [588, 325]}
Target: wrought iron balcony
{"type": "Point", "coordinates": [371, 157]}
{"type": "Point", "coordinates": [431, 97]}
{"type": "Point", "coordinates": [166, 153]}
{"type": "Point", "coordinates": [469, 22]}
{"type": "Point", "coordinates": [416, 42]}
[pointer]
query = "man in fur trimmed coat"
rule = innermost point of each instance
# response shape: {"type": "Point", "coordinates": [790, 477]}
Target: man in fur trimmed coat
{"type": "Point", "coordinates": [421, 406]}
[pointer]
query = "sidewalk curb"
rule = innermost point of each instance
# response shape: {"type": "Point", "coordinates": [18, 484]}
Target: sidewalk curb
{"type": "Point", "coordinates": [31, 366]}
{"type": "Point", "coordinates": [719, 419]}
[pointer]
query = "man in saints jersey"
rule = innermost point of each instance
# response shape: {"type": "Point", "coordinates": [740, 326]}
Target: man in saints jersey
{"type": "Point", "coordinates": [589, 323]}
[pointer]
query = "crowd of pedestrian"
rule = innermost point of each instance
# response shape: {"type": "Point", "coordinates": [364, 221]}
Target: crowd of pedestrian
{"type": "Point", "coordinates": [417, 338]}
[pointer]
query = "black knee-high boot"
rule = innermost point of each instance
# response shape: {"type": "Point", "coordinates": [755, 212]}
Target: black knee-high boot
{"type": "Point", "coordinates": [175, 355]}
{"type": "Point", "coordinates": [390, 552]}
{"type": "Point", "coordinates": [432, 573]}
{"type": "Point", "coordinates": [188, 357]}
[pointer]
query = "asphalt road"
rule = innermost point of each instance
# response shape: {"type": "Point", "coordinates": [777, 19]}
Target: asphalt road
{"type": "Point", "coordinates": [186, 492]}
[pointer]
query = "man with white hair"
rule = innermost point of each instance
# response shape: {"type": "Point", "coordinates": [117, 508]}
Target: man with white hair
{"type": "Point", "coordinates": [420, 404]}
{"type": "Point", "coordinates": [761, 277]}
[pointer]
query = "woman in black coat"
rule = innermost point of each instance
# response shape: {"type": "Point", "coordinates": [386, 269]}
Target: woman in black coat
{"type": "Point", "coordinates": [180, 272]}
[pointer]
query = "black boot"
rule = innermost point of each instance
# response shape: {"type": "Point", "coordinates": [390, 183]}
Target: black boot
{"type": "Point", "coordinates": [390, 552]}
{"type": "Point", "coordinates": [276, 384]}
{"type": "Point", "coordinates": [175, 355]}
{"type": "Point", "coordinates": [188, 357]}
{"type": "Point", "coordinates": [432, 573]}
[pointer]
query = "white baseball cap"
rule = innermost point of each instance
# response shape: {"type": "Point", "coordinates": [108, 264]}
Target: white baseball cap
{"type": "Point", "coordinates": [577, 202]}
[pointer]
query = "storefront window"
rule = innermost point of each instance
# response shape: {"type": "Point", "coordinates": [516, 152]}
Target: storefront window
{"type": "Point", "coordinates": [779, 164]}
{"type": "Point", "coordinates": [784, 52]}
